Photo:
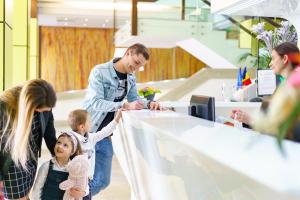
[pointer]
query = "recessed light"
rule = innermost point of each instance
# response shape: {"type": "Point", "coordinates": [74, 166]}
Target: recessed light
{"type": "Point", "coordinates": [106, 20]}
{"type": "Point", "coordinates": [84, 24]}
{"type": "Point", "coordinates": [103, 25]}
{"type": "Point", "coordinates": [86, 19]}
{"type": "Point", "coordinates": [66, 18]}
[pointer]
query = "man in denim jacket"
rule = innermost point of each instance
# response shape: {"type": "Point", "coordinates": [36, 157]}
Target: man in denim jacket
{"type": "Point", "coordinates": [109, 85]}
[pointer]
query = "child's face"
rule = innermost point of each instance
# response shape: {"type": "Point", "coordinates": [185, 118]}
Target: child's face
{"type": "Point", "coordinates": [63, 147]}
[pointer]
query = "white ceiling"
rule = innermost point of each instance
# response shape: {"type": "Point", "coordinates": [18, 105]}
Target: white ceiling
{"type": "Point", "coordinates": [78, 13]}
{"type": "Point", "coordinates": [268, 8]}
{"type": "Point", "coordinates": [91, 13]}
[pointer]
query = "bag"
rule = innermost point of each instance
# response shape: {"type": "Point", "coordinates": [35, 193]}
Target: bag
{"type": "Point", "coordinates": [5, 159]}
{"type": "Point", "coordinates": [4, 164]}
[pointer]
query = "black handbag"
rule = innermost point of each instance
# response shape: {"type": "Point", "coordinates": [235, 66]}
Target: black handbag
{"type": "Point", "coordinates": [5, 159]}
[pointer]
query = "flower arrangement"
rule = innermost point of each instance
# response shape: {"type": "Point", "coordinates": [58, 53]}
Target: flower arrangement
{"type": "Point", "coordinates": [147, 91]}
{"type": "Point", "coordinates": [286, 33]}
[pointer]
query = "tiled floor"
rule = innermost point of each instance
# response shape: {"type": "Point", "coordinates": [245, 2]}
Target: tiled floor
{"type": "Point", "coordinates": [119, 188]}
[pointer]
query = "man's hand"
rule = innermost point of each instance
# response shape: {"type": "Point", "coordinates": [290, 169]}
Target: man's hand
{"type": "Point", "coordinates": [135, 105]}
{"type": "Point", "coordinates": [77, 193]}
{"type": "Point", "coordinates": [155, 106]}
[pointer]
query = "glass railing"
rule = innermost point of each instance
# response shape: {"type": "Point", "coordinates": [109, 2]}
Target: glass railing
{"type": "Point", "coordinates": [196, 21]}
{"type": "Point", "coordinates": [230, 37]}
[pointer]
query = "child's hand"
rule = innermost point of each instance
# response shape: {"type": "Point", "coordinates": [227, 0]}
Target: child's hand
{"type": "Point", "coordinates": [77, 193]}
{"type": "Point", "coordinates": [118, 114]}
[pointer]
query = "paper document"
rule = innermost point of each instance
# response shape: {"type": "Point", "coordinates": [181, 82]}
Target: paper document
{"type": "Point", "coordinates": [266, 82]}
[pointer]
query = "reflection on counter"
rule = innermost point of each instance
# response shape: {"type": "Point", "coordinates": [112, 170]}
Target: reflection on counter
{"type": "Point", "coordinates": [172, 156]}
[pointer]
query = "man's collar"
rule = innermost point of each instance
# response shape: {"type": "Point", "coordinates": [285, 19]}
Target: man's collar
{"type": "Point", "coordinates": [114, 61]}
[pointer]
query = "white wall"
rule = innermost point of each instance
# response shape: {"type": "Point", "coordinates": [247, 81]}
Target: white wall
{"type": "Point", "coordinates": [211, 87]}
{"type": "Point", "coordinates": [217, 5]}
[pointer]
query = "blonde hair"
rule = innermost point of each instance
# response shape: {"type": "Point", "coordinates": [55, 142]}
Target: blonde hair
{"type": "Point", "coordinates": [9, 107]}
{"type": "Point", "coordinates": [35, 94]}
{"type": "Point", "coordinates": [76, 118]}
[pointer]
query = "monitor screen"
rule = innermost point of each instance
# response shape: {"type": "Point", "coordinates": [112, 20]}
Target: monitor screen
{"type": "Point", "coordinates": [202, 107]}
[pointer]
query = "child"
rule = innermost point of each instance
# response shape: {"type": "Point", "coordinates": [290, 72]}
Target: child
{"type": "Point", "coordinates": [80, 124]}
{"type": "Point", "coordinates": [53, 172]}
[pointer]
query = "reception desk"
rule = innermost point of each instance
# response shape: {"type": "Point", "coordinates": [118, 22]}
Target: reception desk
{"type": "Point", "coordinates": [172, 156]}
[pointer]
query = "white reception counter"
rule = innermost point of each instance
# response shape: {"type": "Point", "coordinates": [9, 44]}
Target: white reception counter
{"type": "Point", "coordinates": [172, 156]}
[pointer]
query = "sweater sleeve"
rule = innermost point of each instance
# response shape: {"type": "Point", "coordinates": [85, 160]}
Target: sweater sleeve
{"type": "Point", "coordinates": [50, 134]}
{"type": "Point", "coordinates": [40, 180]}
{"type": "Point", "coordinates": [105, 132]}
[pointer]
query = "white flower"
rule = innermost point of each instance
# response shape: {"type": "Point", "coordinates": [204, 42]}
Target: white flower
{"type": "Point", "coordinates": [259, 28]}
{"type": "Point", "coordinates": [282, 34]}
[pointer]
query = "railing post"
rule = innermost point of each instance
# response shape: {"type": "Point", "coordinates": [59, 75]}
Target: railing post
{"type": "Point", "coordinates": [182, 9]}
{"type": "Point", "coordinates": [134, 16]}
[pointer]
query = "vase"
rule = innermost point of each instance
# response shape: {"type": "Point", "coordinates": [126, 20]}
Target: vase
{"type": "Point", "coordinates": [150, 97]}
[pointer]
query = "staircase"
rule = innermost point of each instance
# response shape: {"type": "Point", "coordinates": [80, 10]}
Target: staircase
{"type": "Point", "coordinates": [166, 33]}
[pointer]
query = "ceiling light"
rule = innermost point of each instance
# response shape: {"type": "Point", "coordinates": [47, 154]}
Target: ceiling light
{"type": "Point", "coordinates": [86, 19]}
{"type": "Point", "coordinates": [106, 21]}
{"type": "Point", "coordinates": [66, 18]}
{"type": "Point", "coordinates": [124, 6]}
{"type": "Point", "coordinates": [103, 25]}
{"type": "Point", "coordinates": [84, 24]}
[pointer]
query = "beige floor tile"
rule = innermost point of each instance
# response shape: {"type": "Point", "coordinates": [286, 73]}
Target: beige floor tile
{"type": "Point", "coordinates": [119, 188]}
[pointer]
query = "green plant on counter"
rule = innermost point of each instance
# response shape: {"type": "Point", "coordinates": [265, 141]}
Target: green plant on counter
{"type": "Point", "coordinates": [146, 91]}
{"type": "Point", "coordinates": [247, 60]}
{"type": "Point", "coordinates": [264, 58]}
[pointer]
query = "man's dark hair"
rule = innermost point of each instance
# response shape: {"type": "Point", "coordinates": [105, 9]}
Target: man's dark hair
{"type": "Point", "coordinates": [139, 49]}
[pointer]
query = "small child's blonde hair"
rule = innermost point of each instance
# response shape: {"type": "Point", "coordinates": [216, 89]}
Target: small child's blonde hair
{"type": "Point", "coordinates": [76, 118]}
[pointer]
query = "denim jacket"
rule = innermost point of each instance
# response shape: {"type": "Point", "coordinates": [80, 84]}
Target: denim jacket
{"type": "Point", "coordinates": [101, 92]}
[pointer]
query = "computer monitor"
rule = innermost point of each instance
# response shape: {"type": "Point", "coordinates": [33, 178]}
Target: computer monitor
{"type": "Point", "coordinates": [202, 107]}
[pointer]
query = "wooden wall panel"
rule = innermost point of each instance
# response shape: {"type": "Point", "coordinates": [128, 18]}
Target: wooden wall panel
{"type": "Point", "coordinates": [186, 64]}
{"type": "Point", "coordinates": [68, 54]}
{"type": "Point", "coordinates": [94, 47]}
{"type": "Point", "coordinates": [161, 64]}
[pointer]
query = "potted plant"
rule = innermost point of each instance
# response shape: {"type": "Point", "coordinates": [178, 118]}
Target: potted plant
{"type": "Point", "coordinates": [148, 92]}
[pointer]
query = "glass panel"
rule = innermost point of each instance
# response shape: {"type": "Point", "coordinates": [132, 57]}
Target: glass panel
{"type": "Point", "coordinates": [214, 31]}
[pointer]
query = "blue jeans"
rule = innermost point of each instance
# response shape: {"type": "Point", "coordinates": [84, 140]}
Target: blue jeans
{"type": "Point", "coordinates": [103, 161]}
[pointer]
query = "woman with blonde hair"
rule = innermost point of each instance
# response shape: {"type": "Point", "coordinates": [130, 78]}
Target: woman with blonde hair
{"type": "Point", "coordinates": [26, 118]}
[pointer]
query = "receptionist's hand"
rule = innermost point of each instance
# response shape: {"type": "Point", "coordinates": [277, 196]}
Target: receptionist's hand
{"type": "Point", "coordinates": [241, 116]}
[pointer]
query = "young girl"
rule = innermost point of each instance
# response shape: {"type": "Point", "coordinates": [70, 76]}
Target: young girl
{"type": "Point", "coordinates": [53, 172]}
